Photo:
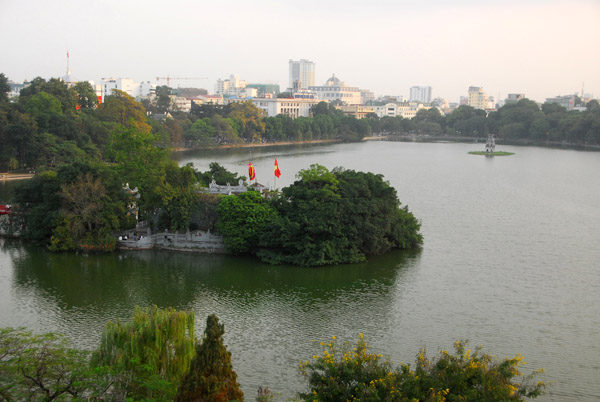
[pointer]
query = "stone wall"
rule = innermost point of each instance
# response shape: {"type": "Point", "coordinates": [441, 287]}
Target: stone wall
{"type": "Point", "coordinates": [198, 240]}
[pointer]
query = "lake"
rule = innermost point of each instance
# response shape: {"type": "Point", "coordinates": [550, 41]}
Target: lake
{"type": "Point", "coordinates": [511, 261]}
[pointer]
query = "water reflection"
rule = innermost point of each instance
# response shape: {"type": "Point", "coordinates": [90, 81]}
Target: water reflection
{"type": "Point", "coordinates": [271, 313]}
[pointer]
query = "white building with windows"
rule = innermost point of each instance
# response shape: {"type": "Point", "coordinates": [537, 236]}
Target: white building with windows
{"type": "Point", "coordinates": [477, 99]}
{"type": "Point", "coordinates": [420, 94]}
{"type": "Point", "coordinates": [234, 87]}
{"type": "Point", "coordinates": [293, 108]}
{"type": "Point", "coordinates": [302, 74]}
{"type": "Point", "coordinates": [406, 110]}
{"type": "Point", "coordinates": [336, 90]}
{"type": "Point", "coordinates": [127, 85]}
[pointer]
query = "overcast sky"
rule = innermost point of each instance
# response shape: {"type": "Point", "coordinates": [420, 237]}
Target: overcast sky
{"type": "Point", "coordinates": [541, 48]}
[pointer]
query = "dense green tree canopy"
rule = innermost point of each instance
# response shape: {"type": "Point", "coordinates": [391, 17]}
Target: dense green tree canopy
{"type": "Point", "coordinates": [336, 217]}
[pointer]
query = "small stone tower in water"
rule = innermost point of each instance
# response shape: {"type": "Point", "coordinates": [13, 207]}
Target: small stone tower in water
{"type": "Point", "coordinates": [490, 144]}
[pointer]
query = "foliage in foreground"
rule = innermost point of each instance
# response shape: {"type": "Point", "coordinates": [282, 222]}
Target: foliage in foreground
{"type": "Point", "coordinates": [349, 373]}
{"type": "Point", "coordinates": [141, 361]}
{"type": "Point", "coordinates": [43, 368]}
{"type": "Point", "coordinates": [148, 356]}
{"type": "Point", "coordinates": [211, 376]}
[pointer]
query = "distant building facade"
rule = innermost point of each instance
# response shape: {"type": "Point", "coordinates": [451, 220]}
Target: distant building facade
{"type": "Point", "coordinates": [15, 89]}
{"type": "Point", "coordinates": [301, 74]}
{"type": "Point", "coordinates": [420, 94]}
{"type": "Point", "coordinates": [180, 103]}
{"type": "Point", "coordinates": [208, 99]}
{"type": "Point", "coordinates": [513, 98]}
{"type": "Point", "coordinates": [357, 111]}
{"type": "Point", "coordinates": [406, 110]}
{"type": "Point", "coordinates": [567, 101]}
{"type": "Point", "coordinates": [127, 85]}
{"type": "Point", "coordinates": [234, 87]}
{"type": "Point", "coordinates": [290, 107]}
{"type": "Point", "coordinates": [478, 99]}
{"type": "Point", "coordinates": [264, 89]}
{"type": "Point", "coordinates": [336, 90]}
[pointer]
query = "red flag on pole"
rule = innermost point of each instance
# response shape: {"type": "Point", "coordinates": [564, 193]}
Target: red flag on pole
{"type": "Point", "coordinates": [251, 172]}
{"type": "Point", "coordinates": [277, 171]}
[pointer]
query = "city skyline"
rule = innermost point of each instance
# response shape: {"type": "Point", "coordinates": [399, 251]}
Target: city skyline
{"type": "Point", "coordinates": [539, 48]}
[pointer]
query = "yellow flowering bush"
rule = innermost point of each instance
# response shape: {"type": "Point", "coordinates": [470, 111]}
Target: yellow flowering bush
{"type": "Point", "coordinates": [346, 373]}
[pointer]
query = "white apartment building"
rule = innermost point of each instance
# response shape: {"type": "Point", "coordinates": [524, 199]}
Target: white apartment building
{"type": "Point", "coordinates": [180, 103]}
{"type": "Point", "coordinates": [208, 100]}
{"type": "Point", "coordinates": [127, 85]}
{"type": "Point", "coordinates": [420, 94]}
{"type": "Point", "coordinates": [406, 110]}
{"type": "Point", "coordinates": [478, 99]}
{"type": "Point", "coordinates": [302, 74]}
{"type": "Point", "coordinates": [293, 108]}
{"type": "Point", "coordinates": [234, 87]}
{"type": "Point", "coordinates": [336, 90]}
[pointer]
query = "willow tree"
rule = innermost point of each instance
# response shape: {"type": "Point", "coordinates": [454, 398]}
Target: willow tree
{"type": "Point", "coordinates": [149, 355]}
{"type": "Point", "coordinates": [211, 376]}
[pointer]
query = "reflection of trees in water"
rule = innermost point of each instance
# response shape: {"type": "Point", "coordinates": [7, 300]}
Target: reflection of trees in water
{"type": "Point", "coordinates": [126, 279]}
{"type": "Point", "coordinates": [271, 313]}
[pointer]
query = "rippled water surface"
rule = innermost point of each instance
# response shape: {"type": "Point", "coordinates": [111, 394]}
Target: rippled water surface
{"type": "Point", "coordinates": [511, 261]}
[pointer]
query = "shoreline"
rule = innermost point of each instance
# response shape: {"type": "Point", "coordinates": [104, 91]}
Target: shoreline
{"type": "Point", "coordinates": [15, 176]}
{"type": "Point", "coordinates": [257, 145]}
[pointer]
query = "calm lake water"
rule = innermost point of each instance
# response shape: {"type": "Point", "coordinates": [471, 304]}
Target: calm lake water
{"type": "Point", "coordinates": [511, 261]}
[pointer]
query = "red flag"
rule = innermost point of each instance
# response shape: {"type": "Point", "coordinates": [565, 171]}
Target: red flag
{"type": "Point", "coordinates": [277, 171]}
{"type": "Point", "coordinates": [251, 172]}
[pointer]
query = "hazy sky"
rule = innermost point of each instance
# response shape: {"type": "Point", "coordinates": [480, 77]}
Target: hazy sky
{"type": "Point", "coordinates": [541, 48]}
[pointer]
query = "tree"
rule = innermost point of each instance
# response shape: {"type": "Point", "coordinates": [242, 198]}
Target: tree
{"type": "Point", "coordinates": [178, 197]}
{"type": "Point", "coordinates": [44, 368]}
{"type": "Point", "coordinates": [211, 377]}
{"type": "Point", "coordinates": [86, 96]}
{"type": "Point", "coordinates": [88, 218]}
{"type": "Point", "coordinates": [241, 220]}
{"type": "Point", "coordinates": [346, 373]}
{"type": "Point", "coordinates": [39, 205]}
{"type": "Point", "coordinates": [123, 109]}
{"type": "Point", "coordinates": [320, 108]}
{"type": "Point", "coordinates": [250, 119]}
{"type": "Point", "coordinates": [220, 175]}
{"type": "Point", "coordinates": [163, 99]}
{"type": "Point", "coordinates": [336, 217]}
{"type": "Point", "coordinates": [200, 133]}
{"type": "Point", "coordinates": [149, 355]}
{"type": "Point", "coordinates": [4, 88]}
{"type": "Point", "coordinates": [225, 133]}
{"type": "Point", "coordinates": [306, 230]}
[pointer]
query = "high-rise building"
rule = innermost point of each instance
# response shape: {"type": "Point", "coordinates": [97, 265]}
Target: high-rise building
{"type": "Point", "coordinates": [478, 99]}
{"type": "Point", "coordinates": [302, 74]}
{"type": "Point", "coordinates": [420, 94]}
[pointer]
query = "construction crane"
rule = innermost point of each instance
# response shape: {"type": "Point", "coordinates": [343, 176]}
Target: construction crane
{"type": "Point", "coordinates": [179, 78]}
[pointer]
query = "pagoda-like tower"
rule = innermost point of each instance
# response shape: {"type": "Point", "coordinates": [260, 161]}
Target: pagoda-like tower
{"type": "Point", "coordinates": [490, 144]}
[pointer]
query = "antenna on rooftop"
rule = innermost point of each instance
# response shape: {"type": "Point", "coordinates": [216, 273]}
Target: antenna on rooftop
{"type": "Point", "coordinates": [68, 66]}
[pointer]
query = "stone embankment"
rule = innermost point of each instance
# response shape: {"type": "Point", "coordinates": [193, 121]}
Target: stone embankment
{"type": "Point", "coordinates": [198, 241]}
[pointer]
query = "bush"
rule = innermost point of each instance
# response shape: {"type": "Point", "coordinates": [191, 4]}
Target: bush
{"type": "Point", "coordinates": [346, 373]}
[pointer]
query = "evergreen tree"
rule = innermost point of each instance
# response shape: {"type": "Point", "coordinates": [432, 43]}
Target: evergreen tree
{"type": "Point", "coordinates": [211, 377]}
